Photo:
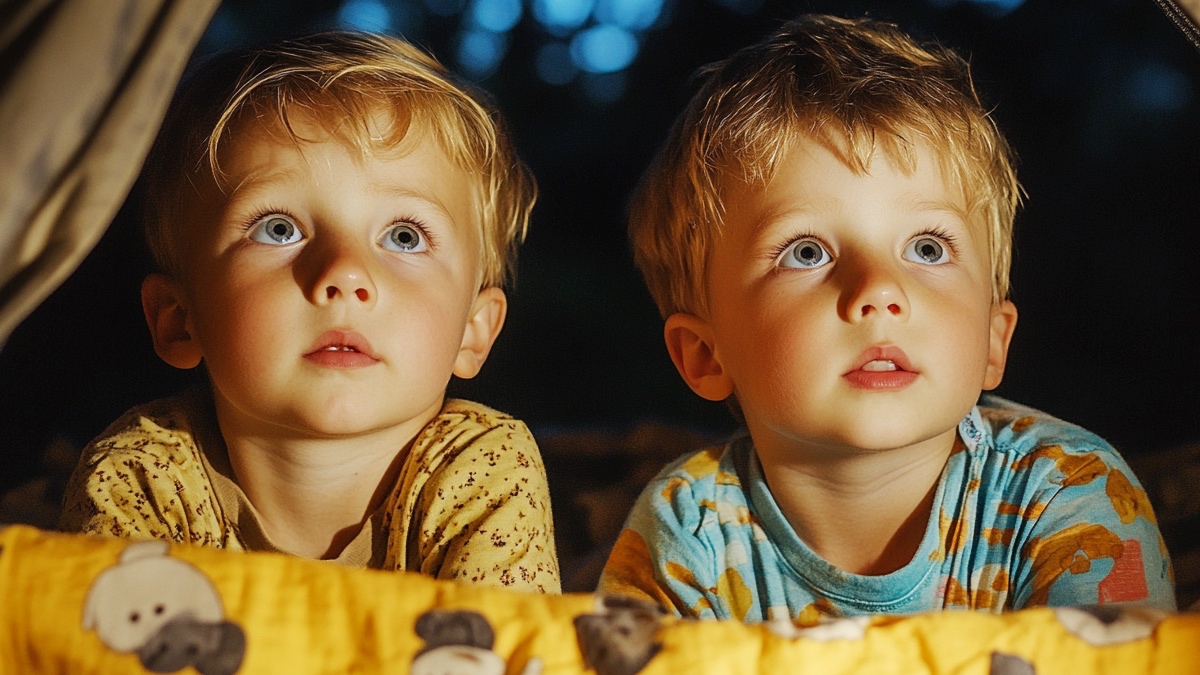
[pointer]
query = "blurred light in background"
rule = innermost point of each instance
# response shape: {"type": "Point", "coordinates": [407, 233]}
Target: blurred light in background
{"type": "Point", "coordinates": [554, 64]}
{"type": "Point", "coordinates": [1159, 87]}
{"type": "Point", "coordinates": [1000, 7]}
{"type": "Point", "coordinates": [562, 17]}
{"type": "Point", "coordinates": [603, 49]}
{"type": "Point", "coordinates": [629, 14]}
{"type": "Point", "coordinates": [597, 38]}
{"type": "Point", "coordinates": [368, 15]}
{"type": "Point", "coordinates": [604, 87]}
{"type": "Point", "coordinates": [497, 16]}
{"type": "Point", "coordinates": [480, 52]}
{"type": "Point", "coordinates": [445, 7]}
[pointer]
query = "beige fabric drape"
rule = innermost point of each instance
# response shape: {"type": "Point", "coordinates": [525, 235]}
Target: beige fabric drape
{"type": "Point", "coordinates": [84, 85]}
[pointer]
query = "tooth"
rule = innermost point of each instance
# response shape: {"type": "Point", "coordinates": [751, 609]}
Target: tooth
{"type": "Point", "coordinates": [879, 366]}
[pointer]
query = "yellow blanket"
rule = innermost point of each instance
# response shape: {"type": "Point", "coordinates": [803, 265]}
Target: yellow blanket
{"type": "Point", "coordinates": [75, 604]}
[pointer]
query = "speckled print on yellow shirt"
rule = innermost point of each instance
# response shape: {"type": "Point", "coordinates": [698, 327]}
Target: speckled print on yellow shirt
{"type": "Point", "coordinates": [471, 501]}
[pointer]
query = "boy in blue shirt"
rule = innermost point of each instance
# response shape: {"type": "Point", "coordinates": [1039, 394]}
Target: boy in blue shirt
{"type": "Point", "coordinates": [827, 232]}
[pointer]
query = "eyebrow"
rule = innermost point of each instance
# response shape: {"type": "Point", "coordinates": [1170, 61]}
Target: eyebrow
{"type": "Point", "coordinates": [254, 182]}
{"type": "Point", "coordinates": [399, 190]}
{"type": "Point", "coordinates": [790, 210]}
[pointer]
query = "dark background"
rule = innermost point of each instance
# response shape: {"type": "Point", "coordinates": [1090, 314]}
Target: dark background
{"type": "Point", "coordinates": [1099, 97]}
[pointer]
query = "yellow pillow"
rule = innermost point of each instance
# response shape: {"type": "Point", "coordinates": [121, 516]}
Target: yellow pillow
{"type": "Point", "coordinates": [77, 604]}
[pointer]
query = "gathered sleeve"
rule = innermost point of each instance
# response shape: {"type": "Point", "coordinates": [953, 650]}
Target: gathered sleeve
{"type": "Point", "coordinates": [479, 505]}
{"type": "Point", "coordinates": [143, 479]}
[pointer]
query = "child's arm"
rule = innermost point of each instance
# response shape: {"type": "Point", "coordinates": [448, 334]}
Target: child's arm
{"type": "Point", "coordinates": [667, 553]}
{"type": "Point", "coordinates": [484, 515]}
{"type": "Point", "coordinates": [1096, 540]}
{"type": "Point", "coordinates": [141, 480]}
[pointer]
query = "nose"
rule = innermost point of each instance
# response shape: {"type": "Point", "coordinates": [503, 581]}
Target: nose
{"type": "Point", "coordinates": [872, 290]}
{"type": "Point", "coordinates": [340, 271]}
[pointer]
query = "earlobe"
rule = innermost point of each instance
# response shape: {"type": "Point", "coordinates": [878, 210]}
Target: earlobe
{"type": "Point", "coordinates": [1004, 322]}
{"type": "Point", "coordinates": [167, 319]}
{"type": "Point", "coordinates": [483, 327]}
{"type": "Point", "coordinates": [693, 350]}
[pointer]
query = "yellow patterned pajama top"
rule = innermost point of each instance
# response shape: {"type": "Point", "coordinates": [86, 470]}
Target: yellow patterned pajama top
{"type": "Point", "coordinates": [471, 502]}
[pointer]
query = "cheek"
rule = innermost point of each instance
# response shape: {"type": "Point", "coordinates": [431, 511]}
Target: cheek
{"type": "Point", "coordinates": [775, 343]}
{"type": "Point", "coordinates": [429, 317]}
{"type": "Point", "coordinates": [966, 334]}
{"type": "Point", "coordinates": [238, 322]}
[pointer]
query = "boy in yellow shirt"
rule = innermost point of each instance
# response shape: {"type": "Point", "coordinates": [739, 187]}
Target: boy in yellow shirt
{"type": "Point", "coordinates": [333, 218]}
{"type": "Point", "coordinates": [827, 233]}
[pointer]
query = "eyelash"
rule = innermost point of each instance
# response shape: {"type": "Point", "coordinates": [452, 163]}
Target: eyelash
{"type": "Point", "coordinates": [780, 248]}
{"type": "Point", "coordinates": [430, 239]}
{"type": "Point", "coordinates": [939, 233]}
{"type": "Point", "coordinates": [263, 213]}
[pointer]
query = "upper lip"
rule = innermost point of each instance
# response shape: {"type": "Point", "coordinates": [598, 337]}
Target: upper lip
{"type": "Point", "coordinates": [342, 339]}
{"type": "Point", "coordinates": [883, 353]}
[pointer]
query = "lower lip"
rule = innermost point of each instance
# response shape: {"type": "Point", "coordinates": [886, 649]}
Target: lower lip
{"type": "Point", "coordinates": [340, 359]}
{"type": "Point", "coordinates": [885, 380]}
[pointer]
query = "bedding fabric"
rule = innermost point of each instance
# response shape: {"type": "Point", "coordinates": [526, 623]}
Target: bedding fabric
{"type": "Point", "coordinates": [79, 604]}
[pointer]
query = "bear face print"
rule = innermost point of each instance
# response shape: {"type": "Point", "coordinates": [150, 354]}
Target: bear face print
{"type": "Point", "coordinates": [164, 610]}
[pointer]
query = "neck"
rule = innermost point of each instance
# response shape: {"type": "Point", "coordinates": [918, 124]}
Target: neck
{"type": "Point", "coordinates": [312, 495]}
{"type": "Point", "coordinates": [863, 512]}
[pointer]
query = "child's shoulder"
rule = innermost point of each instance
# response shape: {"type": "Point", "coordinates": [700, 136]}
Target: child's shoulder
{"type": "Point", "coordinates": [1021, 431]}
{"type": "Point", "coordinates": [459, 416]}
{"type": "Point", "coordinates": [469, 412]}
{"type": "Point", "coordinates": [706, 469]}
{"type": "Point", "coordinates": [463, 431]}
{"type": "Point", "coordinates": [165, 428]}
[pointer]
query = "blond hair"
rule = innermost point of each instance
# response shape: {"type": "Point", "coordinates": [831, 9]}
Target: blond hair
{"type": "Point", "coordinates": [342, 78]}
{"type": "Point", "coordinates": [857, 86]}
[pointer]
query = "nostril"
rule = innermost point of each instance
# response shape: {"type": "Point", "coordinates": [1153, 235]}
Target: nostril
{"type": "Point", "coordinates": [894, 309]}
{"type": "Point", "coordinates": [362, 294]}
{"type": "Point", "coordinates": [331, 292]}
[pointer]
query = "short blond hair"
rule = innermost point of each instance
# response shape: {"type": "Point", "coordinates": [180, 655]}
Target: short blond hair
{"type": "Point", "coordinates": [341, 78]}
{"type": "Point", "coordinates": [855, 85]}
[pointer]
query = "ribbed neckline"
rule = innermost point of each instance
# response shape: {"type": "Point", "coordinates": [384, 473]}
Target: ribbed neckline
{"type": "Point", "coordinates": [867, 593]}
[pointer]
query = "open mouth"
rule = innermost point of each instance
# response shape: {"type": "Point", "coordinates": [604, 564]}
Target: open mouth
{"type": "Point", "coordinates": [341, 349]}
{"type": "Point", "coordinates": [881, 368]}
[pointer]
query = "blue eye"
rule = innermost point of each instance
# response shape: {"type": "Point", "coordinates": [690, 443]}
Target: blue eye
{"type": "Point", "coordinates": [805, 253]}
{"type": "Point", "coordinates": [404, 238]}
{"type": "Point", "coordinates": [926, 251]}
{"type": "Point", "coordinates": [277, 230]}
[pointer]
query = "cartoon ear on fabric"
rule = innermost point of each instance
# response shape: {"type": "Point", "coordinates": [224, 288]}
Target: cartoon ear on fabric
{"type": "Point", "coordinates": [1104, 625]}
{"type": "Point", "coordinates": [456, 641]}
{"type": "Point", "coordinates": [1007, 664]}
{"type": "Point", "coordinates": [439, 628]}
{"type": "Point", "coordinates": [164, 610]}
{"type": "Point", "coordinates": [621, 637]}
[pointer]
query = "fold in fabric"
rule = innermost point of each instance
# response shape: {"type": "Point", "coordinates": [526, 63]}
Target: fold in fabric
{"type": "Point", "coordinates": [84, 86]}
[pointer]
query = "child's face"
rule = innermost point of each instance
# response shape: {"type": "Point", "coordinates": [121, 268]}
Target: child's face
{"type": "Point", "coordinates": [333, 294]}
{"type": "Point", "coordinates": [847, 311]}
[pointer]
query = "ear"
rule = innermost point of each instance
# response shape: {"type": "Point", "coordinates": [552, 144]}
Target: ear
{"type": "Point", "coordinates": [167, 318]}
{"type": "Point", "coordinates": [693, 350]}
{"type": "Point", "coordinates": [1004, 322]}
{"type": "Point", "coordinates": [483, 326]}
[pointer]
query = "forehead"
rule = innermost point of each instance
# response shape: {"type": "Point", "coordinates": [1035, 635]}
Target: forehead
{"type": "Point", "coordinates": [382, 136]}
{"type": "Point", "coordinates": [312, 162]}
{"type": "Point", "coordinates": [811, 174]}
{"type": "Point", "coordinates": [304, 149]}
